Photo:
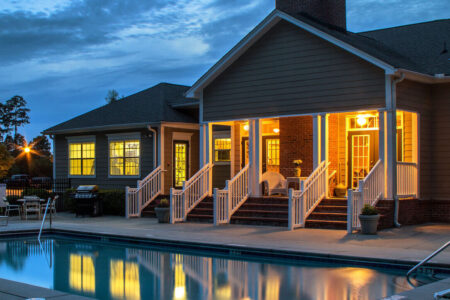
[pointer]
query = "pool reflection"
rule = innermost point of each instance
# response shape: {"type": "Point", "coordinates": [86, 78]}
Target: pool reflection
{"type": "Point", "coordinates": [108, 272]}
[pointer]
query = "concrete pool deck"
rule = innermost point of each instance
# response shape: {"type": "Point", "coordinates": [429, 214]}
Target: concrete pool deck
{"type": "Point", "coordinates": [408, 243]}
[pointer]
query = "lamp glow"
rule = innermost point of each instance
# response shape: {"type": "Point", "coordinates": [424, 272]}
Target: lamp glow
{"type": "Point", "coordinates": [246, 127]}
{"type": "Point", "coordinates": [27, 149]}
{"type": "Point", "coordinates": [276, 130]}
{"type": "Point", "coordinates": [361, 120]}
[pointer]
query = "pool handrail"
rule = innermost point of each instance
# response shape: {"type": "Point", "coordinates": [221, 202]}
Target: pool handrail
{"type": "Point", "coordinates": [43, 219]}
{"type": "Point", "coordinates": [425, 260]}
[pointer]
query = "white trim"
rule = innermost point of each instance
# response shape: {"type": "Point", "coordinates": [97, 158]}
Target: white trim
{"type": "Point", "coordinates": [271, 20]}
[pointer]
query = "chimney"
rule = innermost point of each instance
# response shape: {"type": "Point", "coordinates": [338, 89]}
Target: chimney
{"type": "Point", "coordinates": [331, 12]}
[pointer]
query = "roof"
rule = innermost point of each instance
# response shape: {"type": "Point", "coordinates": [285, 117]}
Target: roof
{"type": "Point", "coordinates": [150, 106]}
{"type": "Point", "coordinates": [416, 47]}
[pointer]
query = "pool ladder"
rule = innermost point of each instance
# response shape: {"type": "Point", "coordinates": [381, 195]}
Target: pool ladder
{"type": "Point", "coordinates": [49, 201]}
{"type": "Point", "coordinates": [442, 248]}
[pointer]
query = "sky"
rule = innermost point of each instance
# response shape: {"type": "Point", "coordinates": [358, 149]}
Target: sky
{"type": "Point", "coordinates": [63, 56]}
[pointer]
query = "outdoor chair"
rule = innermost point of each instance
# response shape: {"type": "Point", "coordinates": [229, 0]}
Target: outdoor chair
{"type": "Point", "coordinates": [9, 207]}
{"type": "Point", "coordinates": [32, 208]}
{"type": "Point", "coordinates": [51, 206]}
{"type": "Point", "coordinates": [274, 183]}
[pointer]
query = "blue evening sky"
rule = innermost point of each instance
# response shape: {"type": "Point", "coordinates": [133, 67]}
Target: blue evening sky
{"type": "Point", "coordinates": [63, 56]}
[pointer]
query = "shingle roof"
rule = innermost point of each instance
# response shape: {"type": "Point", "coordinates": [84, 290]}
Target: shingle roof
{"type": "Point", "coordinates": [149, 106]}
{"type": "Point", "coordinates": [416, 47]}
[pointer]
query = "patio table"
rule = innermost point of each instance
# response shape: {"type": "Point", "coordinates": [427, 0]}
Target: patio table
{"type": "Point", "coordinates": [26, 200]}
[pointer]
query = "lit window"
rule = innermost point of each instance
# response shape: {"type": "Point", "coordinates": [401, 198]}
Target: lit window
{"type": "Point", "coordinates": [222, 149]}
{"type": "Point", "coordinates": [124, 280]}
{"type": "Point", "coordinates": [82, 159]}
{"type": "Point", "coordinates": [181, 163]}
{"type": "Point", "coordinates": [273, 152]}
{"type": "Point", "coordinates": [124, 158]}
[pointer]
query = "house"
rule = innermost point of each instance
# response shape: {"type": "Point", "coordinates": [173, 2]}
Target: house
{"type": "Point", "coordinates": [123, 142]}
{"type": "Point", "coordinates": [366, 110]}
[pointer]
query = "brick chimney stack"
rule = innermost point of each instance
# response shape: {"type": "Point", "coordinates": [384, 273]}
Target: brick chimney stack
{"type": "Point", "coordinates": [332, 12]}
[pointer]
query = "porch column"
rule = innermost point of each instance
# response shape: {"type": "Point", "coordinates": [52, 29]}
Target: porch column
{"type": "Point", "coordinates": [391, 157]}
{"type": "Point", "coordinates": [161, 154]}
{"type": "Point", "coordinates": [316, 140]}
{"type": "Point", "coordinates": [208, 151]}
{"type": "Point", "coordinates": [323, 137]}
{"type": "Point", "coordinates": [254, 156]}
{"type": "Point", "coordinates": [381, 145]}
{"type": "Point", "coordinates": [202, 147]}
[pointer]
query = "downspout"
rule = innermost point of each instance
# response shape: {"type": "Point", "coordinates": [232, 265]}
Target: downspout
{"type": "Point", "coordinates": [154, 134]}
{"type": "Point", "coordinates": [394, 142]}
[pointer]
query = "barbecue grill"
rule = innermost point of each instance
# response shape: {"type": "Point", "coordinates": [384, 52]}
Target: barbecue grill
{"type": "Point", "coordinates": [87, 201]}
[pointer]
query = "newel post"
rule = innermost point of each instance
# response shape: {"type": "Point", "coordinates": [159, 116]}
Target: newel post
{"type": "Point", "coordinates": [229, 197]}
{"type": "Point", "coordinates": [184, 202]}
{"type": "Point", "coordinates": [216, 207]}
{"type": "Point", "coordinates": [127, 213]}
{"type": "Point", "coordinates": [291, 210]}
{"type": "Point", "coordinates": [350, 211]}
{"type": "Point", "coordinates": [139, 197]}
{"type": "Point", "coordinates": [172, 206]}
{"type": "Point", "coordinates": [302, 203]}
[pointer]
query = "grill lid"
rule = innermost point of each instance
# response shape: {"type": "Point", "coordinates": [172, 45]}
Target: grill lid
{"type": "Point", "coordinates": [87, 189]}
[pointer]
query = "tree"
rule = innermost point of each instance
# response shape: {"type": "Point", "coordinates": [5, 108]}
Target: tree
{"type": "Point", "coordinates": [112, 96]}
{"type": "Point", "coordinates": [14, 114]}
{"type": "Point", "coordinates": [6, 161]}
{"type": "Point", "coordinates": [42, 145]}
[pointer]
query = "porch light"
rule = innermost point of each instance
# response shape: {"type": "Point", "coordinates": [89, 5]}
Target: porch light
{"type": "Point", "coordinates": [361, 120]}
{"type": "Point", "coordinates": [276, 130]}
{"type": "Point", "coordinates": [27, 149]}
{"type": "Point", "coordinates": [246, 127]}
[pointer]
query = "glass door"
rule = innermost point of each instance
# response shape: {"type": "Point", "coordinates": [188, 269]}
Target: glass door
{"type": "Point", "coordinates": [180, 162]}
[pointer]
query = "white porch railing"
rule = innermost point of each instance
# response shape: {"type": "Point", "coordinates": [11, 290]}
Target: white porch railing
{"type": "Point", "coordinates": [303, 202]}
{"type": "Point", "coordinates": [194, 190]}
{"type": "Point", "coordinates": [406, 179]}
{"type": "Point", "coordinates": [136, 199]}
{"type": "Point", "coordinates": [228, 200]}
{"type": "Point", "coordinates": [370, 190]}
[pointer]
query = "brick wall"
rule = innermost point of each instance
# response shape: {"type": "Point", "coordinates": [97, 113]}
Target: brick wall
{"type": "Point", "coordinates": [296, 142]}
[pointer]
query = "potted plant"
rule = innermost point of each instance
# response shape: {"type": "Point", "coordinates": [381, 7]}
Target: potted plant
{"type": "Point", "coordinates": [369, 219]}
{"type": "Point", "coordinates": [162, 211]}
{"type": "Point", "coordinates": [298, 169]}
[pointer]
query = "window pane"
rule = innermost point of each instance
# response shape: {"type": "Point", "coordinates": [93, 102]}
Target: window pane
{"type": "Point", "coordinates": [75, 166]}
{"type": "Point", "coordinates": [273, 152]}
{"type": "Point", "coordinates": [116, 166]}
{"type": "Point", "coordinates": [132, 149]}
{"type": "Point", "coordinates": [222, 149]}
{"type": "Point", "coordinates": [74, 150]}
{"type": "Point", "coordinates": [116, 149]}
{"type": "Point", "coordinates": [88, 150]}
{"type": "Point", "coordinates": [131, 166]}
{"type": "Point", "coordinates": [89, 167]}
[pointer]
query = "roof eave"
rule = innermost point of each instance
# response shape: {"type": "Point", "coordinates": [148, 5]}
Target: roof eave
{"type": "Point", "coordinates": [424, 78]}
{"type": "Point", "coordinates": [271, 20]}
{"type": "Point", "coordinates": [100, 128]}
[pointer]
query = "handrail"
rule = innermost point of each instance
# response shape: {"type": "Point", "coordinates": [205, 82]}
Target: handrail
{"type": "Point", "coordinates": [194, 190]}
{"type": "Point", "coordinates": [375, 182]}
{"type": "Point", "coordinates": [407, 177]}
{"type": "Point", "coordinates": [442, 248]}
{"type": "Point", "coordinates": [228, 200]}
{"type": "Point", "coordinates": [43, 219]}
{"type": "Point", "coordinates": [302, 202]}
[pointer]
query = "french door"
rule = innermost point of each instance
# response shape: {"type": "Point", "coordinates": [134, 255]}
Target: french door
{"type": "Point", "coordinates": [362, 155]}
{"type": "Point", "coordinates": [180, 162]}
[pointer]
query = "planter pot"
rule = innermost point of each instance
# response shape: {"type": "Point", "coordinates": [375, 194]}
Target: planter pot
{"type": "Point", "coordinates": [369, 223]}
{"type": "Point", "coordinates": [163, 214]}
{"type": "Point", "coordinates": [340, 190]}
{"type": "Point", "coordinates": [298, 172]}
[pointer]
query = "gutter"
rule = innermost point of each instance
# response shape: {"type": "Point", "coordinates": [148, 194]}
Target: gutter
{"type": "Point", "coordinates": [154, 134]}
{"type": "Point", "coordinates": [394, 142]}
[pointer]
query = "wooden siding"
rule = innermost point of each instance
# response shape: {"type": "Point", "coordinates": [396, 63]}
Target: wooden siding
{"type": "Point", "coordinates": [101, 161]}
{"type": "Point", "coordinates": [290, 71]}
{"type": "Point", "coordinates": [441, 142]}
{"type": "Point", "coordinates": [416, 97]}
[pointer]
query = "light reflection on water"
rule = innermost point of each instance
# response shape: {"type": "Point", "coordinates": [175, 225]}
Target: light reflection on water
{"type": "Point", "coordinates": [113, 272]}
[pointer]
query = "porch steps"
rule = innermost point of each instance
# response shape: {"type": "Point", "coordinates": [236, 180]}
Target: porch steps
{"type": "Point", "coordinates": [331, 213]}
{"type": "Point", "coordinates": [268, 211]}
{"type": "Point", "coordinates": [203, 212]}
{"type": "Point", "coordinates": [149, 210]}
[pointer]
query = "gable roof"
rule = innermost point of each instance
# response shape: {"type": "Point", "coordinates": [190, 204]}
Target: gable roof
{"type": "Point", "coordinates": [375, 48]}
{"type": "Point", "coordinates": [150, 106]}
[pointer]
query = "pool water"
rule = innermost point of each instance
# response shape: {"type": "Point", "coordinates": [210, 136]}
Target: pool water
{"type": "Point", "coordinates": [114, 271]}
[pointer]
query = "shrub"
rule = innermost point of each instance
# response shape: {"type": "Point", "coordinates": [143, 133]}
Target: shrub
{"type": "Point", "coordinates": [369, 210]}
{"type": "Point", "coordinates": [41, 193]}
{"type": "Point", "coordinates": [113, 202]}
{"type": "Point", "coordinates": [163, 203]}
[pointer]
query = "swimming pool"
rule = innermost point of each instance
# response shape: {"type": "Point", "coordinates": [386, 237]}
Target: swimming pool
{"type": "Point", "coordinates": [111, 270]}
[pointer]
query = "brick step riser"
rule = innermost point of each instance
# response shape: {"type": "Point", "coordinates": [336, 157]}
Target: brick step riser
{"type": "Point", "coordinates": [268, 207]}
{"type": "Point", "coordinates": [334, 202]}
{"type": "Point", "coordinates": [329, 217]}
{"type": "Point", "coordinates": [262, 215]}
{"type": "Point", "coordinates": [337, 209]}
{"type": "Point", "coordinates": [319, 225]}
{"type": "Point", "coordinates": [267, 200]}
{"type": "Point", "coordinates": [259, 222]}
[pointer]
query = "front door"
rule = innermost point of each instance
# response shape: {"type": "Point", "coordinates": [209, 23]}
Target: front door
{"type": "Point", "coordinates": [180, 162]}
{"type": "Point", "coordinates": [362, 155]}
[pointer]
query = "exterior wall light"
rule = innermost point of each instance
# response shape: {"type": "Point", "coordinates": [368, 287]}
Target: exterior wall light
{"type": "Point", "coordinates": [361, 120]}
{"type": "Point", "coordinates": [276, 130]}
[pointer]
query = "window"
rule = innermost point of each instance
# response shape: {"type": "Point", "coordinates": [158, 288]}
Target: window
{"type": "Point", "coordinates": [222, 149]}
{"type": "Point", "coordinates": [82, 159]}
{"type": "Point", "coordinates": [180, 163]}
{"type": "Point", "coordinates": [273, 152]}
{"type": "Point", "coordinates": [124, 158]}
